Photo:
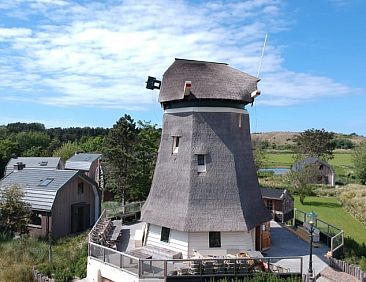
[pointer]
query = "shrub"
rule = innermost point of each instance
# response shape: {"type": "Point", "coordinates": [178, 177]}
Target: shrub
{"type": "Point", "coordinates": [63, 274]}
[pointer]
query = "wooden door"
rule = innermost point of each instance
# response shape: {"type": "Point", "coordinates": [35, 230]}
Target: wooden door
{"type": "Point", "coordinates": [79, 217]}
{"type": "Point", "coordinates": [266, 235]}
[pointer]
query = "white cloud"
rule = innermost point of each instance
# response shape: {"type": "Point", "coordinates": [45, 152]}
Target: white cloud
{"type": "Point", "coordinates": [100, 54]}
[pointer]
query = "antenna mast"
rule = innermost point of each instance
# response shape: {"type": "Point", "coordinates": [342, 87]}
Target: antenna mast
{"type": "Point", "coordinates": [260, 62]}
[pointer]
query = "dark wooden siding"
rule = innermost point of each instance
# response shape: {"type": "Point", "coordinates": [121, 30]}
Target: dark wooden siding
{"type": "Point", "coordinates": [65, 198]}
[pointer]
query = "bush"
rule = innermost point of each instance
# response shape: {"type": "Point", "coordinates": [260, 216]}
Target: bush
{"type": "Point", "coordinates": [63, 274]}
{"type": "Point", "coordinates": [80, 267]}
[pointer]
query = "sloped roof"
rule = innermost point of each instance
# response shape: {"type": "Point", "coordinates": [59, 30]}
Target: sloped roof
{"type": "Point", "coordinates": [308, 161]}
{"type": "Point", "coordinates": [40, 197]}
{"type": "Point", "coordinates": [209, 80]}
{"type": "Point", "coordinates": [81, 161]}
{"type": "Point", "coordinates": [33, 162]}
{"type": "Point", "coordinates": [273, 193]}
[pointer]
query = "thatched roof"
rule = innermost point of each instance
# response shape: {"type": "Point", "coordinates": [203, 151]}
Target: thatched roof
{"type": "Point", "coordinates": [224, 198]}
{"type": "Point", "coordinates": [209, 81]}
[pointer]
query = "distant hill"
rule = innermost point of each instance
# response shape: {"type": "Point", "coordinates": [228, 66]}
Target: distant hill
{"type": "Point", "coordinates": [283, 139]}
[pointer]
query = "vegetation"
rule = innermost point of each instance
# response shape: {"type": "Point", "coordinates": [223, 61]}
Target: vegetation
{"type": "Point", "coordinates": [17, 257]}
{"type": "Point", "coordinates": [130, 151]}
{"type": "Point", "coordinates": [359, 162]}
{"type": "Point", "coordinates": [14, 212]}
{"type": "Point", "coordinates": [326, 208]}
{"type": "Point", "coordinates": [353, 199]}
{"type": "Point", "coordinates": [314, 143]}
{"type": "Point", "coordinates": [259, 155]}
{"type": "Point", "coordinates": [33, 139]}
{"type": "Point", "coordinates": [355, 232]}
{"type": "Point", "coordinates": [300, 181]}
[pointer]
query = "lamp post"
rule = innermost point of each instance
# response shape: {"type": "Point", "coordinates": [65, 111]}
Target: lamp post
{"type": "Point", "coordinates": [311, 218]}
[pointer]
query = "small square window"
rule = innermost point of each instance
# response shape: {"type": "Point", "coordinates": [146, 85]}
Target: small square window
{"type": "Point", "coordinates": [175, 144]}
{"type": "Point", "coordinates": [214, 239]}
{"type": "Point", "coordinates": [201, 163]}
{"type": "Point", "coordinates": [165, 233]}
{"type": "Point", "coordinates": [80, 188]}
{"type": "Point", "coordinates": [36, 218]}
{"type": "Point", "coordinates": [201, 159]}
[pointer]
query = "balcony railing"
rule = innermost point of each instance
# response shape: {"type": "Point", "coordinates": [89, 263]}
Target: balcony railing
{"type": "Point", "coordinates": [154, 268]}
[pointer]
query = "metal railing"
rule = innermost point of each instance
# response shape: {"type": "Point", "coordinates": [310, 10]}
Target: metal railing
{"type": "Point", "coordinates": [155, 268]}
{"type": "Point", "coordinates": [329, 234]}
{"type": "Point", "coordinates": [115, 209]}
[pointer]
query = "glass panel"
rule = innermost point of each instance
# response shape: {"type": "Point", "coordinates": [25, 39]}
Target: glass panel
{"type": "Point", "coordinates": [214, 239]}
{"type": "Point", "coordinates": [165, 232]}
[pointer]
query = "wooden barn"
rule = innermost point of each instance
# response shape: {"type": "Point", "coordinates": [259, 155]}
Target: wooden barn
{"type": "Point", "coordinates": [279, 202]}
{"type": "Point", "coordinates": [33, 162]}
{"type": "Point", "coordinates": [63, 201]}
{"type": "Point", "coordinates": [323, 172]}
{"type": "Point", "coordinates": [87, 163]}
{"type": "Point", "coordinates": [205, 196]}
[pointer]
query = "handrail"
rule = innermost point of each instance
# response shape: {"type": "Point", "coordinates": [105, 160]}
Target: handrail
{"type": "Point", "coordinates": [102, 215]}
{"type": "Point", "coordinates": [116, 259]}
{"type": "Point", "coordinates": [332, 249]}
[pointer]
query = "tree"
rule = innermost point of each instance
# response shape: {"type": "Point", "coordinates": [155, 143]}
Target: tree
{"type": "Point", "coordinates": [119, 154]}
{"type": "Point", "coordinates": [314, 143]}
{"type": "Point", "coordinates": [359, 162]}
{"type": "Point", "coordinates": [67, 150]}
{"type": "Point", "coordinates": [14, 212]}
{"type": "Point", "coordinates": [92, 144]}
{"type": "Point", "coordinates": [146, 153]}
{"type": "Point", "coordinates": [27, 140]}
{"type": "Point", "coordinates": [259, 154]}
{"type": "Point", "coordinates": [300, 180]}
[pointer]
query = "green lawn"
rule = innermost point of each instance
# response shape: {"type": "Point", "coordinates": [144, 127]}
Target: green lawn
{"type": "Point", "coordinates": [285, 159]}
{"type": "Point", "coordinates": [279, 160]}
{"type": "Point", "coordinates": [331, 211]}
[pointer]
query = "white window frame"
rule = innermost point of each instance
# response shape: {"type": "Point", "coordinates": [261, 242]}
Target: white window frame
{"type": "Point", "coordinates": [201, 167]}
{"type": "Point", "coordinates": [176, 140]}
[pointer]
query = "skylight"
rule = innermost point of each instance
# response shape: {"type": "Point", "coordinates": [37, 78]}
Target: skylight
{"type": "Point", "coordinates": [44, 163]}
{"type": "Point", "coordinates": [45, 182]}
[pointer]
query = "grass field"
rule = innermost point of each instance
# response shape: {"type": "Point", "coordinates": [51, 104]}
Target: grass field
{"type": "Point", "coordinates": [331, 211]}
{"type": "Point", "coordinates": [279, 159]}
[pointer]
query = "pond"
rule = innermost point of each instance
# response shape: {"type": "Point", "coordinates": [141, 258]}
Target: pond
{"type": "Point", "coordinates": [275, 170]}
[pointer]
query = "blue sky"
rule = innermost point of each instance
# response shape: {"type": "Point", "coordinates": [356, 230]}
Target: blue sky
{"type": "Point", "coordinates": [84, 63]}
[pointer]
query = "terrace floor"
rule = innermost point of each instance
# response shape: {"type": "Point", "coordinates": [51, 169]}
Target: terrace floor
{"type": "Point", "coordinates": [286, 243]}
{"type": "Point", "coordinates": [283, 243]}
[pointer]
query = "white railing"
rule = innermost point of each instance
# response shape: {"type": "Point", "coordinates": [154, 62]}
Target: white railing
{"type": "Point", "coordinates": [336, 242]}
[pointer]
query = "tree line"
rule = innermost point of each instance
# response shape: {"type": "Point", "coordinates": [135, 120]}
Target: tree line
{"type": "Point", "coordinates": [129, 150]}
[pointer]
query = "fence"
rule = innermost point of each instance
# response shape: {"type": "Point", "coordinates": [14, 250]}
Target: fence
{"type": "Point", "coordinates": [330, 235]}
{"type": "Point", "coordinates": [115, 209]}
{"type": "Point", "coordinates": [167, 269]}
{"type": "Point", "coordinates": [39, 277]}
{"type": "Point", "coordinates": [350, 269]}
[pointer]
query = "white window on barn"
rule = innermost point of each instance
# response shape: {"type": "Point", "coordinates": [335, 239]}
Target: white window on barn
{"type": "Point", "coordinates": [175, 144]}
{"type": "Point", "coordinates": [201, 163]}
{"type": "Point", "coordinates": [214, 239]}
